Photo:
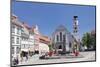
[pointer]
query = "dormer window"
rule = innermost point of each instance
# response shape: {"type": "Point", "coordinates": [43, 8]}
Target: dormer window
{"type": "Point", "coordinates": [18, 30]}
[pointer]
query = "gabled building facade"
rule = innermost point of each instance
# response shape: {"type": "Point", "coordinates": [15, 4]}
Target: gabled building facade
{"type": "Point", "coordinates": [25, 38]}
{"type": "Point", "coordinates": [16, 28]}
{"type": "Point", "coordinates": [62, 40]}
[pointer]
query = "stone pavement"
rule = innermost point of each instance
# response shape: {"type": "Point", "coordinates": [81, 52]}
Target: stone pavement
{"type": "Point", "coordinates": [84, 56]}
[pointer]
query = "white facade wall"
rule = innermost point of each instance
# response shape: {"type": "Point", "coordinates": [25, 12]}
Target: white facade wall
{"type": "Point", "coordinates": [27, 43]}
{"type": "Point", "coordinates": [31, 42]}
{"type": "Point", "coordinates": [24, 39]}
{"type": "Point", "coordinates": [16, 36]}
{"type": "Point", "coordinates": [17, 41]}
{"type": "Point", "coordinates": [67, 42]}
{"type": "Point", "coordinates": [64, 32]}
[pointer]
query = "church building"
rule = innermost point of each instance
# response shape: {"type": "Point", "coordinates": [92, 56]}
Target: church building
{"type": "Point", "coordinates": [62, 40]}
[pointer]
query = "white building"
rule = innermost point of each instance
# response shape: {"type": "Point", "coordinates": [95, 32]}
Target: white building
{"type": "Point", "coordinates": [16, 28]}
{"type": "Point", "coordinates": [40, 42]}
{"type": "Point", "coordinates": [26, 38]}
{"type": "Point", "coordinates": [62, 39]}
{"type": "Point", "coordinates": [31, 40]}
{"type": "Point", "coordinates": [22, 37]}
{"type": "Point", "coordinates": [36, 38]}
{"type": "Point", "coordinates": [27, 42]}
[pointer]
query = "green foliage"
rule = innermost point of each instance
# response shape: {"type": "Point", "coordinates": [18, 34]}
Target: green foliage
{"type": "Point", "coordinates": [50, 47]}
{"type": "Point", "coordinates": [89, 40]}
{"type": "Point", "coordinates": [86, 39]}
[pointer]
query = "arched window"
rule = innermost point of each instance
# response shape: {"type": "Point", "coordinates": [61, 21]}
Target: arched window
{"type": "Point", "coordinates": [70, 45]}
{"type": "Point", "coordinates": [60, 36]}
{"type": "Point", "coordinates": [57, 38]}
{"type": "Point", "coordinates": [64, 37]}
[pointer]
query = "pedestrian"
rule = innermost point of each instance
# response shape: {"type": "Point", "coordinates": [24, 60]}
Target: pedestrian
{"type": "Point", "coordinates": [17, 61]}
{"type": "Point", "coordinates": [14, 61]}
{"type": "Point", "coordinates": [21, 56]}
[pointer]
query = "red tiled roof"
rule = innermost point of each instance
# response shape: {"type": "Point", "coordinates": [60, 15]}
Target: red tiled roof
{"type": "Point", "coordinates": [31, 30]}
{"type": "Point", "coordinates": [45, 38]}
{"type": "Point", "coordinates": [27, 26]}
{"type": "Point", "coordinates": [15, 22]}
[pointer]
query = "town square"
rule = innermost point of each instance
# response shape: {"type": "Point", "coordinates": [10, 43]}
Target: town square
{"type": "Point", "coordinates": [43, 33]}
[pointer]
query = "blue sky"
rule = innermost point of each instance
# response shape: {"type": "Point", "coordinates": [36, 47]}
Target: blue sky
{"type": "Point", "coordinates": [49, 16]}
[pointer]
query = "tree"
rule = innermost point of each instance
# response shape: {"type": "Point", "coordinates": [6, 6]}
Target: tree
{"type": "Point", "coordinates": [50, 47]}
{"type": "Point", "coordinates": [88, 40]}
{"type": "Point", "coordinates": [93, 38]}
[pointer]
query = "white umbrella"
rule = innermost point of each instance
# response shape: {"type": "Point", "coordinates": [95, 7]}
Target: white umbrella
{"type": "Point", "coordinates": [43, 48]}
{"type": "Point", "coordinates": [26, 50]}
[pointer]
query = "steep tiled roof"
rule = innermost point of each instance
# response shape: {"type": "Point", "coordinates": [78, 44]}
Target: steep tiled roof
{"type": "Point", "coordinates": [45, 38]}
{"type": "Point", "coordinates": [27, 26]}
{"type": "Point", "coordinates": [61, 28]}
{"type": "Point", "coordinates": [14, 20]}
